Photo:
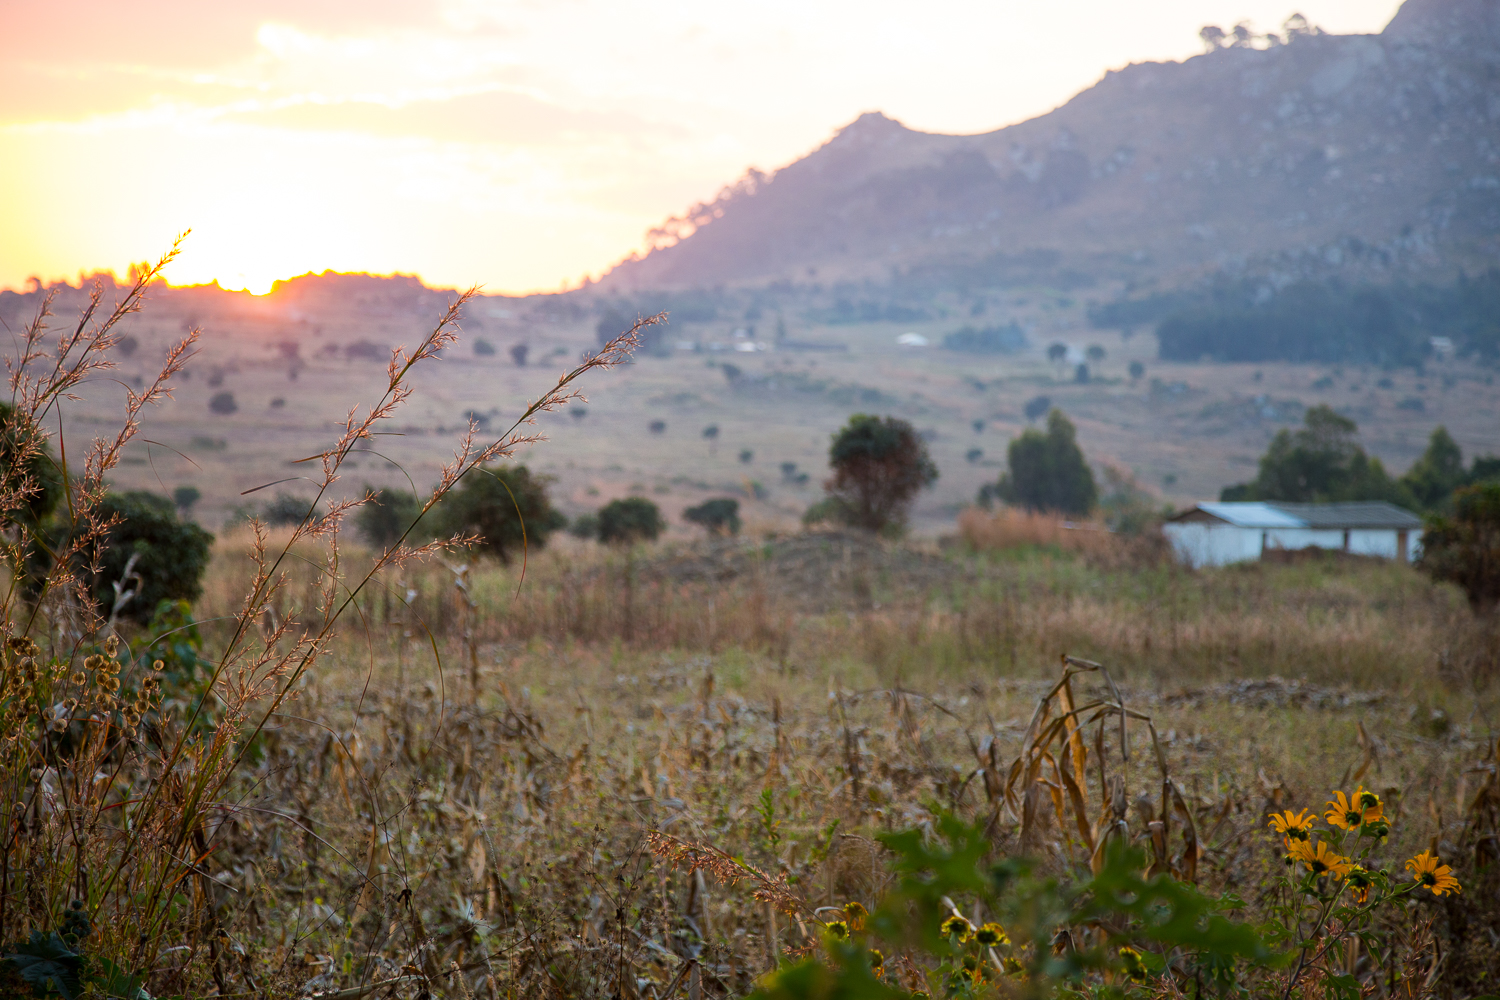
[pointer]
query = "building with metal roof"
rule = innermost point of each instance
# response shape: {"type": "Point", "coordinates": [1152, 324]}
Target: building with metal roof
{"type": "Point", "coordinates": [1215, 534]}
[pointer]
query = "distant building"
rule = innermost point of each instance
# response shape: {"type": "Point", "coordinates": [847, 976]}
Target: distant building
{"type": "Point", "coordinates": [1215, 534]}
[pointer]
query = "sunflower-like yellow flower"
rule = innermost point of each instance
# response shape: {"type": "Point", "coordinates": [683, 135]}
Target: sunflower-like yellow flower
{"type": "Point", "coordinates": [1434, 875]}
{"type": "Point", "coordinates": [991, 934]}
{"type": "Point", "coordinates": [855, 914]}
{"type": "Point", "coordinates": [1135, 969]}
{"type": "Point", "coordinates": [1360, 880]}
{"type": "Point", "coordinates": [1355, 811]}
{"type": "Point", "coordinates": [1320, 860]}
{"type": "Point", "coordinates": [1293, 826]}
{"type": "Point", "coordinates": [877, 960]}
{"type": "Point", "coordinates": [956, 925]}
{"type": "Point", "coordinates": [837, 929]}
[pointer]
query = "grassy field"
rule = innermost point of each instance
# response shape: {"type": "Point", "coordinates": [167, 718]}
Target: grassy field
{"type": "Point", "coordinates": [503, 763]}
{"type": "Point", "coordinates": [1185, 430]}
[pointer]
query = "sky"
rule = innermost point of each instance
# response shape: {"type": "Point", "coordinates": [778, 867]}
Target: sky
{"type": "Point", "coordinates": [520, 145]}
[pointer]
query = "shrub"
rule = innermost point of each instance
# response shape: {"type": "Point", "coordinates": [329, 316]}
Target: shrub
{"type": "Point", "coordinates": [223, 403]}
{"type": "Point", "coordinates": [1038, 406]}
{"type": "Point", "coordinates": [169, 555]}
{"type": "Point", "coordinates": [720, 516]}
{"type": "Point", "coordinates": [879, 466]}
{"type": "Point", "coordinates": [1465, 548]}
{"type": "Point", "coordinates": [585, 526]}
{"type": "Point", "coordinates": [746, 456]}
{"type": "Point", "coordinates": [634, 519]}
{"type": "Point", "coordinates": [1006, 339]}
{"type": "Point", "coordinates": [1137, 370]}
{"type": "Point", "coordinates": [285, 510]}
{"type": "Point", "coordinates": [519, 353]}
{"type": "Point", "coordinates": [483, 347]}
{"type": "Point", "coordinates": [30, 478]}
{"type": "Point", "coordinates": [508, 508]}
{"type": "Point", "coordinates": [657, 427]}
{"type": "Point", "coordinates": [385, 515]}
{"type": "Point", "coordinates": [1048, 471]}
{"type": "Point", "coordinates": [1321, 461]}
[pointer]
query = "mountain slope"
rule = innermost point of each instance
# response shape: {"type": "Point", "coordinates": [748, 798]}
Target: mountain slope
{"type": "Point", "coordinates": [1370, 155]}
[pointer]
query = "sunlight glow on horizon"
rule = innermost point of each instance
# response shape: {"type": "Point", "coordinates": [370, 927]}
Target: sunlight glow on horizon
{"type": "Point", "coordinates": [517, 145]}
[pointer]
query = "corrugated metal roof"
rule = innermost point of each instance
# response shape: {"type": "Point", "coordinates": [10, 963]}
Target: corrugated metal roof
{"type": "Point", "coordinates": [1251, 514]}
{"type": "Point", "coordinates": [1366, 514]}
{"type": "Point", "coordinates": [1327, 516]}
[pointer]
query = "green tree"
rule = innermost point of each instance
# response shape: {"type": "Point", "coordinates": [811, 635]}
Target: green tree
{"type": "Point", "coordinates": [1321, 461]}
{"type": "Point", "coordinates": [1464, 548]}
{"type": "Point", "coordinates": [30, 478]}
{"type": "Point", "coordinates": [169, 555]}
{"type": "Point", "coordinates": [385, 515]}
{"type": "Point", "coordinates": [879, 466]}
{"type": "Point", "coordinates": [1433, 477]}
{"type": "Point", "coordinates": [185, 497]}
{"type": "Point", "coordinates": [1048, 471]}
{"type": "Point", "coordinates": [719, 516]}
{"type": "Point", "coordinates": [508, 508]}
{"type": "Point", "coordinates": [634, 519]}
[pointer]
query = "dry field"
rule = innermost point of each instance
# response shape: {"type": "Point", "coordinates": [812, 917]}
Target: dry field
{"type": "Point", "coordinates": [468, 788]}
{"type": "Point", "coordinates": [1184, 430]}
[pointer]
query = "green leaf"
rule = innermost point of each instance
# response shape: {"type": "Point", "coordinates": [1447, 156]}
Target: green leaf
{"type": "Point", "coordinates": [116, 983]}
{"type": "Point", "coordinates": [48, 965]}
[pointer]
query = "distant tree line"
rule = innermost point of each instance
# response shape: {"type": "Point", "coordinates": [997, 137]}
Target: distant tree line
{"type": "Point", "coordinates": [1323, 461]}
{"type": "Point", "coordinates": [1329, 322]}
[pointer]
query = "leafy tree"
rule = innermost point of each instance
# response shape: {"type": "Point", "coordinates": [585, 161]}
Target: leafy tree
{"type": "Point", "coordinates": [483, 347]}
{"type": "Point", "coordinates": [634, 519]}
{"type": "Point", "coordinates": [223, 403]}
{"type": "Point", "coordinates": [974, 454]}
{"type": "Point", "coordinates": [720, 516]}
{"type": "Point", "coordinates": [585, 526]}
{"type": "Point", "coordinates": [1007, 339]}
{"type": "Point", "coordinates": [1137, 370]}
{"type": "Point", "coordinates": [506, 507]}
{"type": "Point", "coordinates": [1095, 354]}
{"type": "Point", "coordinates": [170, 555]}
{"type": "Point", "coordinates": [1464, 548]}
{"type": "Point", "coordinates": [1433, 477]}
{"type": "Point", "coordinates": [185, 497]}
{"type": "Point", "coordinates": [1322, 461]}
{"type": "Point", "coordinates": [385, 515]}
{"type": "Point", "coordinates": [285, 511]}
{"type": "Point", "coordinates": [1048, 471]}
{"type": "Point", "coordinates": [879, 466]}
{"type": "Point", "coordinates": [746, 456]}
{"type": "Point", "coordinates": [1056, 352]}
{"type": "Point", "coordinates": [657, 427]}
{"type": "Point", "coordinates": [1038, 406]}
{"type": "Point", "coordinates": [518, 354]}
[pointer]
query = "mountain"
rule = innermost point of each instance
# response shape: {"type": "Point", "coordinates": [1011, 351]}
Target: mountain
{"type": "Point", "coordinates": [1368, 156]}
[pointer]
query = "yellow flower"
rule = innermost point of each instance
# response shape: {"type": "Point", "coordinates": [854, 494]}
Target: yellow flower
{"type": "Point", "coordinates": [837, 929]}
{"type": "Point", "coordinates": [1013, 966]}
{"type": "Point", "coordinates": [877, 960]}
{"type": "Point", "coordinates": [1355, 811]}
{"type": "Point", "coordinates": [855, 914]}
{"type": "Point", "coordinates": [1293, 826]}
{"type": "Point", "coordinates": [959, 926]}
{"type": "Point", "coordinates": [990, 935]}
{"type": "Point", "coordinates": [1435, 876]}
{"type": "Point", "coordinates": [1135, 969]}
{"type": "Point", "coordinates": [1320, 860]}
{"type": "Point", "coordinates": [1360, 881]}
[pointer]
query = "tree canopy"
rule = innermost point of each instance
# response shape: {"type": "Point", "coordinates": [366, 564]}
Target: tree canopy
{"type": "Point", "coordinates": [507, 507]}
{"type": "Point", "coordinates": [633, 519]}
{"type": "Point", "coordinates": [879, 466]}
{"type": "Point", "coordinates": [720, 516]}
{"type": "Point", "coordinates": [1048, 471]}
{"type": "Point", "coordinates": [1321, 461]}
{"type": "Point", "coordinates": [170, 555]}
{"type": "Point", "coordinates": [1464, 548]}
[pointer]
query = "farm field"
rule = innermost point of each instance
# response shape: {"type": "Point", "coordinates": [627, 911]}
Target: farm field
{"type": "Point", "coordinates": [507, 760]}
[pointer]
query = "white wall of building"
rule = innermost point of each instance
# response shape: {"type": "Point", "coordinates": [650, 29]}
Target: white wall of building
{"type": "Point", "coordinates": [1204, 544]}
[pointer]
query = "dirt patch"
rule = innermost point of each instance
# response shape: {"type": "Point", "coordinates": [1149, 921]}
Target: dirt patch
{"type": "Point", "coordinates": [1275, 692]}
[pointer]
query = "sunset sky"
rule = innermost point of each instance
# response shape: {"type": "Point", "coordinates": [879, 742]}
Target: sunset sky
{"type": "Point", "coordinates": [520, 145]}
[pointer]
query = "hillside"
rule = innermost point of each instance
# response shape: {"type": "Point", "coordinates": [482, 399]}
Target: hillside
{"type": "Point", "coordinates": [1369, 156]}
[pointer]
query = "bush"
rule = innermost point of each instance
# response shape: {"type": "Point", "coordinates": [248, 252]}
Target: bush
{"type": "Point", "coordinates": [170, 555]}
{"type": "Point", "coordinates": [223, 403]}
{"type": "Point", "coordinates": [24, 450]}
{"type": "Point", "coordinates": [1038, 406]}
{"type": "Point", "coordinates": [285, 510]}
{"type": "Point", "coordinates": [585, 526]}
{"type": "Point", "coordinates": [185, 497]}
{"type": "Point", "coordinates": [879, 466]}
{"type": "Point", "coordinates": [1048, 471]}
{"type": "Point", "coordinates": [385, 516]}
{"type": "Point", "coordinates": [1465, 548]}
{"type": "Point", "coordinates": [506, 507]}
{"type": "Point", "coordinates": [483, 348]}
{"type": "Point", "coordinates": [519, 353]}
{"type": "Point", "coordinates": [720, 517]}
{"type": "Point", "coordinates": [634, 519]}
